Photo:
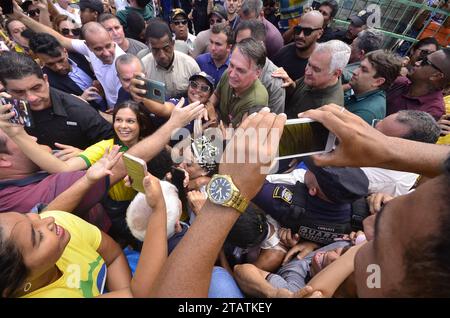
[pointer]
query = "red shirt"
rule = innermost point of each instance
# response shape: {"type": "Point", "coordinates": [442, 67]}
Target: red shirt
{"type": "Point", "coordinates": [398, 99]}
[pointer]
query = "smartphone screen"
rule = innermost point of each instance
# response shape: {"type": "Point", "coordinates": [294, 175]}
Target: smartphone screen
{"type": "Point", "coordinates": [304, 137]}
{"type": "Point", "coordinates": [7, 6]}
{"type": "Point", "coordinates": [21, 110]}
{"type": "Point", "coordinates": [136, 168]}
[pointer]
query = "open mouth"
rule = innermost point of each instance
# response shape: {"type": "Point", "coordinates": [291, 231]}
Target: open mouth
{"type": "Point", "coordinates": [59, 230]}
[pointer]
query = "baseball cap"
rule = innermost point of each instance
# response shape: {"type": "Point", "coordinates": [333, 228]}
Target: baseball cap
{"type": "Point", "coordinates": [208, 78]}
{"type": "Point", "coordinates": [95, 5]}
{"type": "Point", "coordinates": [220, 11]}
{"type": "Point", "coordinates": [340, 184]}
{"type": "Point", "coordinates": [177, 11]}
{"type": "Point", "coordinates": [360, 19]}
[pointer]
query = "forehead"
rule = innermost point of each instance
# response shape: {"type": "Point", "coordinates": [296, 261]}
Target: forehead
{"type": "Point", "coordinates": [320, 59]}
{"type": "Point", "coordinates": [126, 112]}
{"type": "Point", "coordinates": [101, 38]}
{"type": "Point", "coordinates": [367, 64]}
{"type": "Point", "coordinates": [133, 66]}
{"type": "Point", "coordinates": [179, 17]}
{"type": "Point", "coordinates": [311, 21]}
{"type": "Point", "coordinates": [161, 42]}
{"type": "Point", "coordinates": [239, 60]}
{"type": "Point", "coordinates": [325, 8]}
{"type": "Point", "coordinates": [16, 25]}
{"type": "Point", "coordinates": [219, 37]}
{"type": "Point", "coordinates": [243, 34]}
{"type": "Point", "coordinates": [111, 23]}
{"type": "Point", "coordinates": [25, 82]}
{"type": "Point", "coordinates": [391, 127]}
{"type": "Point", "coordinates": [66, 24]}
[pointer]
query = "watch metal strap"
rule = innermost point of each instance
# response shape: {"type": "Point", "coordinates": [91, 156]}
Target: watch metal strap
{"type": "Point", "coordinates": [239, 202]}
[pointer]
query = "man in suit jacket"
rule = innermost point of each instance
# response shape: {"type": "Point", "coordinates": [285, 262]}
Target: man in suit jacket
{"type": "Point", "coordinates": [69, 72]}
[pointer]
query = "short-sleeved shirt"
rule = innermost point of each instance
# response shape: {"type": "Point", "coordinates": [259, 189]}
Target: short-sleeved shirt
{"type": "Point", "coordinates": [135, 46]}
{"type": "Point", "coordinates": [21, 195]}
{"type": "Point", "coordinates": [69, 121]}
{"type": "Point", "coordinates": [176, 77]}
{"type": "Point", "coordinates": [105, 73]}
{"type": "Point", "coordinates": [208, 66]}
{"type": "Point", "coordinates": [118, 192]}
{"type": "Point", "coordinates": [368, 106]}
{"type": "Point", "coordinates": [399, 99]}
{"type": "Point", "coordinates": [305, 97]}
{"type": "Point", "coordinates": [232, 107]}
{"type": "Point", "coordinates": [83, 269]}
{"type": "Point", "coordinates": [292, 64]}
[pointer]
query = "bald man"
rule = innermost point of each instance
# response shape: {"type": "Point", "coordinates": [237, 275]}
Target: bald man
{"type": "Point", "coordinates": [98, 47]}
{"type": "Point", "coordinates": [294, 56]}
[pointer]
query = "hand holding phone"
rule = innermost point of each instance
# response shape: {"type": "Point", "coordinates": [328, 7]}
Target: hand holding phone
{"type": "Point", "coordinates": [155, 90]}
{"type": "Point", "coordinates": [136, 170]}
{"type": "Point", "coordinates": [21, 110]}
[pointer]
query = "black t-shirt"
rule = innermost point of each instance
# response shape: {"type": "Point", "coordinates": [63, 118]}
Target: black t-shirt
{"type": "Point", "coordinates": [288, 59]}
{"type": "Point", "coordinates": [340, 35]}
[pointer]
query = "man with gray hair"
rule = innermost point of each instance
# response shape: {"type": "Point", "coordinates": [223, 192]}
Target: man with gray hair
{"type": "Point", "coordinates": [127, 66]}
{"type": "Point", "coordinates": [253, 9]}
{"type": "Point", "coordinates": [239, 91]}
{"type": "Point", "coordinates": [321, 84]}
{"type": "Point", "coordinates": [367, 41]}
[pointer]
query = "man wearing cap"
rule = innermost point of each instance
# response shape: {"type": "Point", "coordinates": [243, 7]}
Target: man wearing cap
{"type": "Point", "coordinates": [217, 60]}
{"type": "Point", "coordinates": [217, 15]}
{"type": "Point", "coordinates": [319, 209]}
{"type": "Point", "coordinates": [422, 90]}
{"type": "Point", "coordinates": [142, 7]}
{"type": "Point", "coordinates": [90, 10]}
{"type": "Point", "coordinates": [357, 24]}
{"type": "Point", "coordinates": [179, 26]}
{"type": "Point", "coordinates": [239, 91]}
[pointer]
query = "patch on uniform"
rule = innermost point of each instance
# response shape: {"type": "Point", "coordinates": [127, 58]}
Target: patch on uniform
{"type": "Point", "coordinates": [283, 193]}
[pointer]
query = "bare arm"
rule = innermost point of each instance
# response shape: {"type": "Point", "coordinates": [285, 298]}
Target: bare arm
{"type": "Point", "coordinates": [44, 16]}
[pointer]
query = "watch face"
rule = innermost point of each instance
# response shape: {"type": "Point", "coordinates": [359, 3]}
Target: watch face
{"type": "Point", "coordinates": [220, 190]}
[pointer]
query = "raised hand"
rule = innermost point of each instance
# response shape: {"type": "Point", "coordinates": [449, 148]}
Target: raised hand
{"type": "Point", "coordinates": [66, 151]}
{"type": "Point", "coordinates": [103, 167]}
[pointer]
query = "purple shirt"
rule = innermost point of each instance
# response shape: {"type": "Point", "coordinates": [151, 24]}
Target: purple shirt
{"type": "Point", "coordinates": [206, 64]}
{"type": "Point", "coordinates": [274, 40]}
{"type": "Point", "coordinates": [398, 99]}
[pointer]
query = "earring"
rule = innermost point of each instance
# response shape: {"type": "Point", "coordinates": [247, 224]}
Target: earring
{"type": "Point", "coordinates": [27, 287]}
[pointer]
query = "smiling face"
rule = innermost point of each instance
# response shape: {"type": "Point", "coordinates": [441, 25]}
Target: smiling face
{"type": "Point", "coordinates": [199, 90]}
{"type": "Point", "coordinates": [102, 46]}
{"type": "Point", "coordinates": [40, 240]}
{"type": "Point", "coordinates": [126, 126]}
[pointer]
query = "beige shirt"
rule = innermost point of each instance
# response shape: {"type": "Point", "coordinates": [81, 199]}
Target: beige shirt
{"type": "Point", "coordinates": [176, 77]}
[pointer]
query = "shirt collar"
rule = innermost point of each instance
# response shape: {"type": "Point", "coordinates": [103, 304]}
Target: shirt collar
{"type": "Point", "coordinates": [361, 97]}
{"type": "Point", "coordinates": [57, 103]}
{"type": "Point", "coordinates": [211, 61]}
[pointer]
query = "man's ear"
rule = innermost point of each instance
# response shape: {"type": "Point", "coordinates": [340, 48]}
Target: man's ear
{"type": "Point", "coordinates": [338, 73]}
{"type": "Point", "coordinates": [379, 81]}
{"type": "Point", "coordinates": [312, 191]}
{"type": "Point", "coordinates": [437, 76]}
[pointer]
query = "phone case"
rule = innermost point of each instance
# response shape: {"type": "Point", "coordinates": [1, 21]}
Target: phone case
{"type": "Point", "coordinates": [155, 90]}
{"type": "Point", "coordinates": [136, 168]}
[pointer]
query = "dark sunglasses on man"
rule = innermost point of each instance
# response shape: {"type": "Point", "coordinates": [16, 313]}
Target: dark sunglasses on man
{"type": "Point", "coordinates": [67, 31]}
{"type": "Point", "coordinates": [202, 88]}
{"type": "Point", "coordinates": [32, 13]}
{"type": "Point", "coordinates": [306, 31]}
{"type": "Point", "coordinates": [425, 61]}
{"type": "Point", "coordinates": [214, 21]}
{"type": "Point", "coordinates": [180, 22]}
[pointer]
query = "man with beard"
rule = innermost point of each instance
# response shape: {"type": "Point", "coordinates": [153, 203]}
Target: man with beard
{"type": "Point", "coordinates": [294, 56]}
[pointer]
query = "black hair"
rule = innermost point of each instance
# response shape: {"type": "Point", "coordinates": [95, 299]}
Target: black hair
{"type": "Point", "coordinates": [250, 229]}
{"type": "Point", "coordinates": [157, 29]}
{"type": "Point", "coordinates": [146, 127]}
{"type": "Point", "coordinates": [135, 26]}
{"type": "Point", "coordinates": [426, 41]}
{"type": "Point", "coordinates": [142, 3]}
{"type": "Point", "coordinates": [15, 66]}
{"type": "Point", "coordinates": [161, 164]}
{"type": "Point", "coordinates": [427, 261]}
{"type": "Point", "coordinates": [333, 5]}
{"type": "Point", "coordinates": [13, 271]}
{"type": "Point", "coordinates": [44, 43]}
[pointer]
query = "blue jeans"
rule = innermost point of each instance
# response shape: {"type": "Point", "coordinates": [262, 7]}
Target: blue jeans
{"type": "Point", "coordinates": [223, 285]}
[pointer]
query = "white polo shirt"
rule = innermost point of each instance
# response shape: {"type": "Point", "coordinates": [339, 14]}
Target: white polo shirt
{"type": "Point", "coordinates": [105, 73]}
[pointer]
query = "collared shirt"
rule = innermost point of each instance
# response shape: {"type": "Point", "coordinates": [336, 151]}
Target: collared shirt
{"type": "Point", "coordinates": [208, 66]}
{"type": "Point", "coordinates": [368, 106]}
{"type": "Point", "coordinates": [305, 97]}
{"type": "Point", "coordinates": [232, 107]}
{"type": "Point", "coordinates": [277, 94]}
{"type": "Point", "coordinates": [348, 72]}
{"type": "Point", "coordinates": [79, 76]}
{"type": "Point", "coordinates": [292, 64]}
{"type": "Point", "coordinates": [191, 42]}
{"type": "Point", "coordinates": [69, 121]}
{"type": "Point", "coordinates": [176, 77]}
{"type": "Point", "coordinates": [105, 73]}
{"type": "Point", "coordinates": [398, 99]}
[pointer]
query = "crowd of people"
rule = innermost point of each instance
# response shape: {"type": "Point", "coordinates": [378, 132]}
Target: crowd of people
{"type": "Point", "coordinates": [74, 224]}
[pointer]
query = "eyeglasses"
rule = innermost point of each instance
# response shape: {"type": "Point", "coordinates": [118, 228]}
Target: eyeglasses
{"type": "Point", "coordinates": [66, 31]}
{"type": "Point", "coordinates": [424, 53]}
{"type": "Point", "coordinates": [306, 31]}
{"type": "Point", "coordinates": [180, 22]}
{"type": "Point", "coordinates": [214, 21]}
{"type": "Point", "coordinates": [425, 62]}
{"type": "Point", "coordinates": [32, 13]}
{"type": "Point", "coordinates": [202, 88]}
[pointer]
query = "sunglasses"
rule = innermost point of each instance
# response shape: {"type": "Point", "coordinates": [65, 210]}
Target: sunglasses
{"type": "Point", "coordinates": [306, 31]}
{"type": "Point", "coordinates": [202, 88]}
{"type": "Point", "coordinates": [180, 22]}
{"type": "Point", "coordinates": [425, 62]}
{"type": "Point", "coordinates": [32, 13]}
{"type": "Point", "coordinates": [214, 21]}
{"type": "Point", "coordinates": [66, 31]}
{"type": "Point", "coordinates": [424, 53]}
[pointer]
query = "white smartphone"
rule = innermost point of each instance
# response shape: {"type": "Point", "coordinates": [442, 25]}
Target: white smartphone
{"type": "Point", "coordinates": [136, 168]}
{"type": "Point", "coordinates": [303, 137]}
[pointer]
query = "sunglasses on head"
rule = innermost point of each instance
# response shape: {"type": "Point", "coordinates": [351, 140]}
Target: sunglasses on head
{"type": "Point", "coordinates": [34, 12]}
{"type": "Point", "coordinates": [202, 88]}
{"type": "Point", "coordinates": [214, 21]}
{"type": "Point", "coordinates": [306, 31]}
{"type": "Point", "coordinates": [425, 61]}
{"type": "Point", "coordinates": [66, 31]}
{"type": "Point", "coordinates": [180, 22]}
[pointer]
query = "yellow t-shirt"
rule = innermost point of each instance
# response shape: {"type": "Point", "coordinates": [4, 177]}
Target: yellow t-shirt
{"type": "Point", "coordinates": [118, 192]}
{"type": "Point", "coordinates": [445, 140]}
{"type": "Point", "coordinates": [84, 270]}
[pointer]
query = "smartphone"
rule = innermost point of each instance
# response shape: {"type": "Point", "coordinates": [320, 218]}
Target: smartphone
{"type": "Point", "coordinates": [136, 168]}
{"type": "Point", "coordinates": [21, 109]}
{"type": "Point", "coordinates": [155, 90]}
{"type": "Point", "coordinates": [178, 177]}
{"type": "Point", "coordinates": [303, 137]}
{"type": "Point", "coordinates": [7, 6]}
{"type": "Point", "coordinates": [315, 5]}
